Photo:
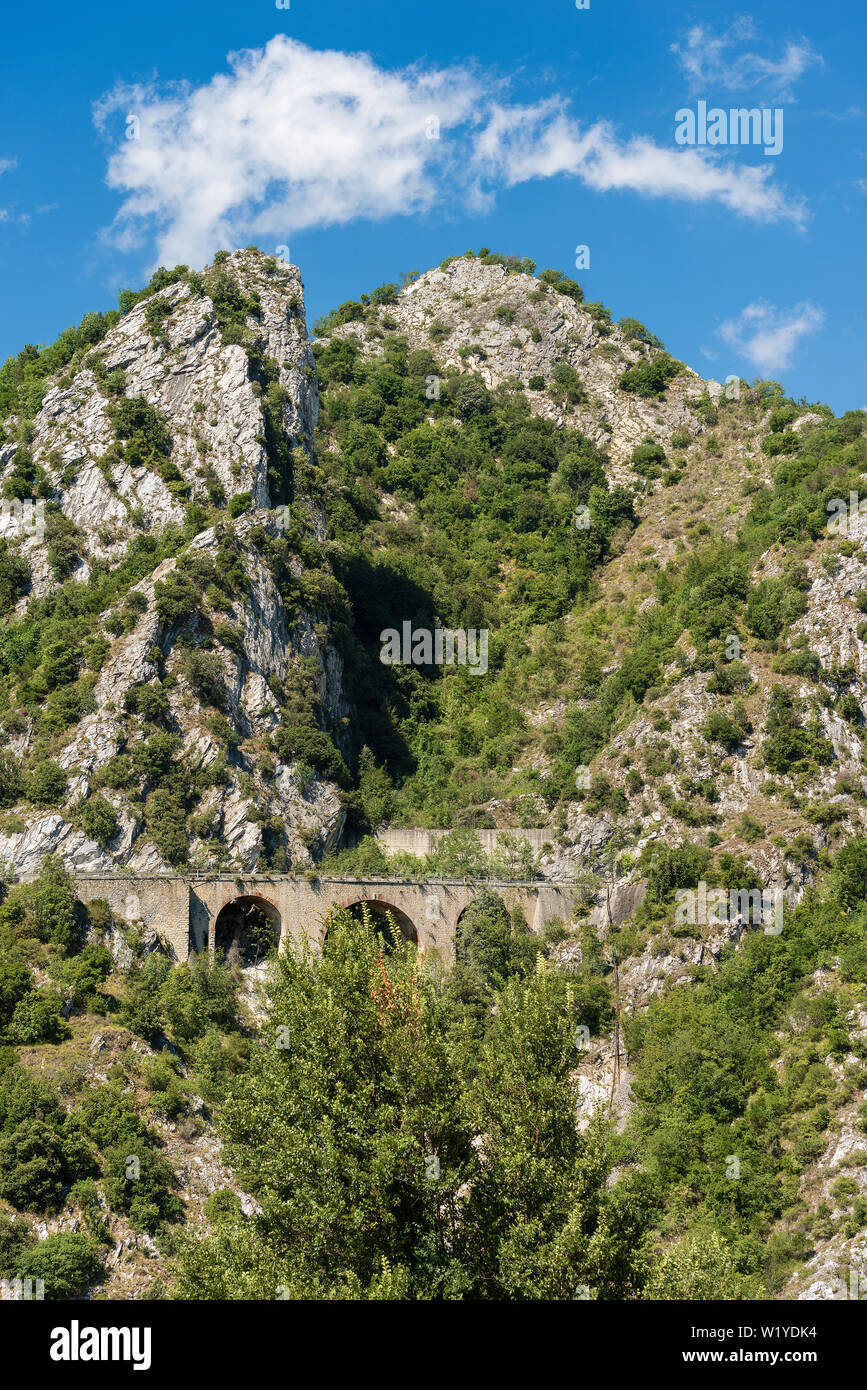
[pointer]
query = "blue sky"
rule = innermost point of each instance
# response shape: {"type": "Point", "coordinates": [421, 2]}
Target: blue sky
{"type": "Point", "coordinates": [556, 129]}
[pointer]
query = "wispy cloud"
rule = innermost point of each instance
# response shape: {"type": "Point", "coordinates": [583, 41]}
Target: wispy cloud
{"type": "Point", "coordinates": [767, 336]}
{"type": "Point", "coordinates": [526, 143]}
{"type": "Point", "coordinates": [292, 138]}
{"type": "Point", "coordinates": [710, 60]}
{"type": "Point", "coordinates": [6, 214]}
{"type": "Point", "coordinates": [852, 113]}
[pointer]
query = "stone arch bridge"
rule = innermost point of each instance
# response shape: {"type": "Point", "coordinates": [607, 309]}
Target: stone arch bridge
{"type": "Point", "coordinates": [186, 911]}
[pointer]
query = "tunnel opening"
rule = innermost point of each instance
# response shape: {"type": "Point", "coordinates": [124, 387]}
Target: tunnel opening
{"type": "Point", "coordinates": [390, 924]}
{"type": "Point", "coordinates": [247, 931]}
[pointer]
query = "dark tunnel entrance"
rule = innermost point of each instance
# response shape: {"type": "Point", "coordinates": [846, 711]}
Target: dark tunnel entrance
{"type": "Point", "coordinates": [247, 930]}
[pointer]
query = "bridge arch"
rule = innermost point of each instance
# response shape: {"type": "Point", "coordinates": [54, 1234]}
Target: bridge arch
{"type": "Point", "coordinates": [381, 911]}
{"type": "Point", "coordinates": [247, 929]}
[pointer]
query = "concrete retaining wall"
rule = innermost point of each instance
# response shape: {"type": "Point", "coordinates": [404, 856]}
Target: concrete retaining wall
{"type": "Point", "coordinates": [422, 842]}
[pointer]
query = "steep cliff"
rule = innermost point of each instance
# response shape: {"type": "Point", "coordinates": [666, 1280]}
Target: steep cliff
{"type": "Point", "coordinates": [168, 650]}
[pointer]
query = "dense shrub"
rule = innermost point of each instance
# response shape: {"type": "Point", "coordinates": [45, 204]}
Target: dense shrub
{"type": "Point", "coordinates": [46, 783]}
{"type": "Point", "coordinates": [650, 378]}
{"type": "Point", "coordinates": [788, 745]}
{"type": "Point", "coordinates": [65, 1261]}
{"type": "Point", "coordinates": [98, 820]}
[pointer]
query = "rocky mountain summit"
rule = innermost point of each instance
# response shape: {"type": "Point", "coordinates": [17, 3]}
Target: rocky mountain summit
{"type": "Point", "coordinates": [701, 459]}
{"type": "Point", "coordinates": [163, 459]}
{"type": "Point", "coordinates": [179, 447]}
{"type": "Point", "coordinates": [207, 521]}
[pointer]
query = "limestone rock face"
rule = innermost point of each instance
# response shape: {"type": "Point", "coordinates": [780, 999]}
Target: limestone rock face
{"type": "Point", "coordinates": [210, 394]}
{"type": "Point", "coordinates": [506, 326]}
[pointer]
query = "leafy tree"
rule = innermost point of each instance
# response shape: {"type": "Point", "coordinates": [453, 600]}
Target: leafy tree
{"type": "Point", "coordinates": [50, 903]}
{"type": "Point", "coordinates": [166, 823]}
{"type": "Point", "coordinates": [46, 784]}
{"type": "Point", "coordinates": [38, 1017]}
{"type": "Point", "coordinates": [83, 974]}
{"type": "Point", "coordinates": [16, 1236]}
{"type": "Point", "coordinates": [720, 728]}
{"type": "Point", "coordinates": [851, 873]}
{"type": "Point", "coordinates": [632, 328]}
{"type": "Point", "coordinates": [545, 1223]}
{"type": "Point", "coordinates": [99, 821]}
{"type": "Point", "coordinates": [354, 1128]}
{"type": "Point", "coordinates": [141, 1183]}
{"type": "Point", "coordinates": [204, 671]}
{"type": "Point", "coordinates": [14, 576]}
{"type": "Point", "coordinates": [699, 1267]}
{"type": "Point", "coordinates": [349, 1096]}
{"type": "Point", "coordinates": [472, 398]}
{"type": "Point", "coordinates": [11, 781]}
{"type": "Point", "coordinates": [492, 946]}
{"type": "Point", "coordinates": [15, 981]}
{"type": "Point", "coordinates": [651, 377]}
{"type": "Point", "coordinates": [37, 1160]}
{"type": "Point", "coordinates": [788, 745]}
{"type": "Point", "coordinates": [65, 1261]}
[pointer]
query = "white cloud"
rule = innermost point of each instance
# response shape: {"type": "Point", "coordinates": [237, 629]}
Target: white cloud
{"type": "Point", "coordinates": [292, 138]}
{"type": "Point", "coordinates": [531, 143]}
{"type": "Point", "coordinates": [767, 336]}
{"type": "Point", "coordinates": [708, 61]}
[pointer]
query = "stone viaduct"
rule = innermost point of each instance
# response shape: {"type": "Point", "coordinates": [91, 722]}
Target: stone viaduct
{"type": "Point", "coordinates": [186, 910]}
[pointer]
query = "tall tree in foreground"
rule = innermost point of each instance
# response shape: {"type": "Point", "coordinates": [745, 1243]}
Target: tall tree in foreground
{"type": "Point", "coordinates": [391, 1158]}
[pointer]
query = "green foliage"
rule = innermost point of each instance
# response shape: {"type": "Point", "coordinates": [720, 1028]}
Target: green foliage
{"type": "Point", "coordinates": [232, 307]}
{"type": "Point", "coordinates": [204, 671]}
{"type": "Point", "coordinates": [41, 1151]}
{"type": "Point", "coordinates": [23, 378]}
{"type": "Point", "coordinates": [312, 746]}
{"type": "Point", "coordinates": [648, 460]}
{"type": "Point", "coordinates": [143, 1186]}
{"type": "Point", "coordinates": [49, 903]}
{"type": "Point", "coordinates": [676, 866]}
{"type": "Point", "coordinates": [851, 873]}
{"type": "Point", "coordinates": [730, 732]}
{"type": "Point", "coordinates": [144, 430]}
{"type": "Point", "coordinates": [790, 746]}
{"type": "Point", "coordinates": [774, 603]}
{"type": "Point", "coordinates": [567, 383]}
{"type": "Point", "coordinates": [240, 503]}
{"type": "Point", "coordinates": [360, 1068]}
{"type": "Point", "coordinates": [651, 377]}
{"type": "Point", "coordinates": [38, 1017]}
{"type": "Point", "coordinates": [700, 1267]}
{"type": "Point", "coordinates": [176, 598]}
{"type": "Point", "coordinates": [11, 781]}
{"type": "Point", "coordinates": [636, 331]}
{"type": "Point", "coordinates": [14, 576]}
{"type": "Point", "coordinates": [46, 784]}
{"type": "Point", "coordinates": [84, 974]}
{"type": "Point", "coordinates": [15, 983]}
{"type": "Point", "coordinates": [16, 1237]}
{"type": "Point", "coordinates": [490, 946]}
{"type": "Point", "coordinates": [65, 1261]}
{"type": "Point", "coordinates": [166, 821]}
{"type": "Point", "coordinates": [98, 820]}
{"type": "Point", "coordinates": [496, 545]}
